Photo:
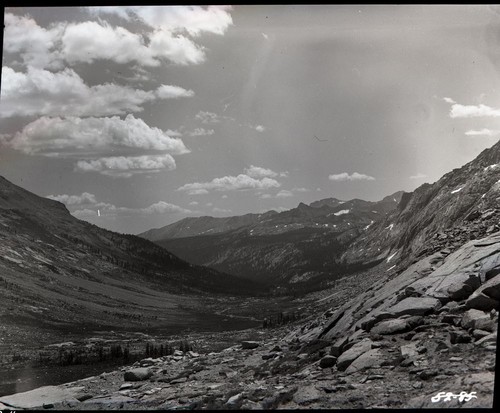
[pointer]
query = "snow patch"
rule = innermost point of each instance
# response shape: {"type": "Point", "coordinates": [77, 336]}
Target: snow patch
{"type": "Point", "coordinates": [388, 269]}
{"type": "Point", "coordinates": [391, 257]}
{"type": "Point", "coordinates": [491, 167]}
{"type": "Point", "coordinates": [456, 190]}
{"type": "Point", "coordinates": [483, 195]}
{"type": "Point", "coordinates": [369, 225]}
{"type": "Point", "coordinates": [342, 212]}
{"type": "Point", "coordinates": [390, 227]}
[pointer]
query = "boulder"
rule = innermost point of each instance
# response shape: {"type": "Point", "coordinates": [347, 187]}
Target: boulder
{"type": "Point", "coordinates": [249, 345]}
{"type": "Point", "coordinates": [37, 398]}
{"type": "Point", "coordinates": [366, 360]}
{"type": "Point", "coordinates": [480, 301]}
{"type": "Point", "coordinates": [491, 288]}
{"type": "Point", "coordinates": [473, 317]}
{"type": "Point", "coordinates": [415, 306]}
{"type": "Point", "coordinates": [353, 353]}
{"type": "Point", "coordinates": [489, 339]}
{"type": "Point", "coordinates": [138, 374]}
{"type": "Point", "coordinates": [306, 394]}
{"type": "Point", "coordinates": [397, 325]}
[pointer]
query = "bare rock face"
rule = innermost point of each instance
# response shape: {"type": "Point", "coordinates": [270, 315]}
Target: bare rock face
{"type": "Point", "coordinates": [249, 345]}
{"type": "Point", "coordinates": [43, 396]}
{"type": "Point", "coordinates": [366, 360]}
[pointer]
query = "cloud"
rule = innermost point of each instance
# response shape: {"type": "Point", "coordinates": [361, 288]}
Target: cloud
{"type": "Point", "coordinates": [344, 176]}
{"type": "Point", "coordinates": [125, 166]}
{"type": "Point", "coordinates": [266, 196]}
{"type": "Point", "coordinates": [70, 136]}
{"type": "Point", "coordinates": [418, 176]}
{"type": "Point", "coordinates": [193, 203]}
{"type": "Point", "coordinates": [35, 44]}
{"type": "Point", "coordinates": [265, 36]}
{"type": "Point", "coordinates": [41, 92]}
{"type": "Point", "coordinates": [224, 197]}
{"type": "Point", "coordinates": [167, 37]}
{"type": "Point", "coordinates": [482, 132]}
{"type": "Point", "coordinates": [70, 200]}
{"type": "Point", "coordinates": [449, 100]}
{"type": "Point", "coordinates": [191, 19]}
{"type": "Point", "coordinates": [207, 117]}
{"type": "Point", "coordinates": [284, 194]}
{"type": "Point", "coordinates": [173, 92]}
{"type": "Point", "coordinates": [299, 189]}
{"type": "Point", "coordinates": [108, 210]}
{"type": "Point", "coordinates": [260, 128]}
{"type": "Point", "coordinates": [473, 111]}
{"type": "Point", "coordinates": [202, 132]}
{"type": "Point", "coordinates": [259, 172]}
{"type": "Point", "coordinates": [163, 207]}
{"type": "Point", "coordinates": [230, 183]}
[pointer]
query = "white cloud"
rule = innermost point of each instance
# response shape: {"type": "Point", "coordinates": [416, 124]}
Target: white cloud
{"type": "Point", "coordinates": [284, 194]}
{"type": "Point", "coordinates": [193, 203]}
{"type": "Point", "coordinates": [207, 117]}
{"type": "Point", "coordinates": [473, 111]}
{"type": "Point", "coordinates": [284, 174]}
{"type": "Point", "coordinates": [201, 132]}
{"type": "Point", "coordinates": [41, 92]}
{"type": "Point", "coordinates": [96, 40]}
{"type": "Point", "coordinates": [418, 176]}
{"type": "Point", "coordinates": [259, 172]}
{"type": "Point", "coordinates": [265, 36]}
{"type": "Point", "coordinates": [483, 132]}
{"type": "Point", "coordinates": [260, 128]}
{"type": "Point", "coordinates": [125, 166]}
{"type": "Point", "coordinates": [192, 19]}
{"type": "Point", "coordinates": [35, 44]}
{"type": "Point", "coordinates": [84, 213]}
{"type": "Point", "coordinates": [344, 176]}
{"type": "Point", "coordinates": [70, 200]}
{"type": "Point", "coordinates": [300, 190]}
{"type": "Point", "coordinates": [230, 183]}
{"type": "Point", "coordinates": [224, 196]}
{"type": "Point", "coordinates": [266, 196]}
{"type": "Point", "coordinates": [449, 100]}
{"type": "Point", "coordinates": [69, 136]}
{"type": "Point", "coordinates": [173, 92]}
{"type": "Point", "coordinates": [163, 207]}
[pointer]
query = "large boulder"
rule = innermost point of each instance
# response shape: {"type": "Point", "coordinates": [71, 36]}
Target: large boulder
{"type": "Point", "coordinates": [347, 357]}
{"type": "Point", "coordinates": [475, 319]}
{"type": "Point", "coordinates": [138, 374]}
{"type": "Point", "coordinates": [249, 345]}
{"type": "Point", "coordinates": [366, 360]}
{"type": "Point", "coordinates": [397, 325]}
{"type": "Point", "coordinates": [37, 398]}
{"type": "Point", "coordinates": [415, 306]}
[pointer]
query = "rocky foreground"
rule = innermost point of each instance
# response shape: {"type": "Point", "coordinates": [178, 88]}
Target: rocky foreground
{"type": "Point", "coordinates": [431, 328]}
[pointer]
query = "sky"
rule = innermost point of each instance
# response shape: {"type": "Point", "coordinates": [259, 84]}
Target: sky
{"type": "Point", "coordinates": [137, 117]}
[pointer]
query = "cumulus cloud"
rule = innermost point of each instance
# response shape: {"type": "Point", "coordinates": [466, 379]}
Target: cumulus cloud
{"type": "Point", "coordinates": [299, 189]}
{"type": "Point", "coordinates": [259, 172]}
{"type": "Point", "coordinates": [473, 111]}
{"type": "Point", "coordinates": [35, 44]}
{"type": "Point", "coordinates": [221, 210]}
{"type": "Point", "coordinates": [70, 200]}
{"type": "Point", "coordinates": [260, 128]}
{"type": "Point", "coordinates": [173, 92]}
{"type": "Point", "coordinates": [344, 176]}
{"type": "Point", "coordinates": [90, 40]}
{"type": "Point", "coordinates": [41, 92]}
{"type": "Point", "coordinates": [193, 203]}
{"type": "Point", "coordinates": [449, 100]}
{"type": "Point", "coordinates": [207, 117]}
{"type": "Point", "coordinates": [418, 176]}
{"type": "Point", "coordinates": [191, 19]}
{"type": "Point", "coordinates": [482, 132]}
{"type": "Point", "coordinates": [126, 166]}
{"type": "Point", "coordinates": [230, 183]}
{"type": "Point", "coordinates": [72, 135]}
{"type": "Point", "coordinates": [201, 132]}
{"type": "Point", "coordinates": [108, 210]}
